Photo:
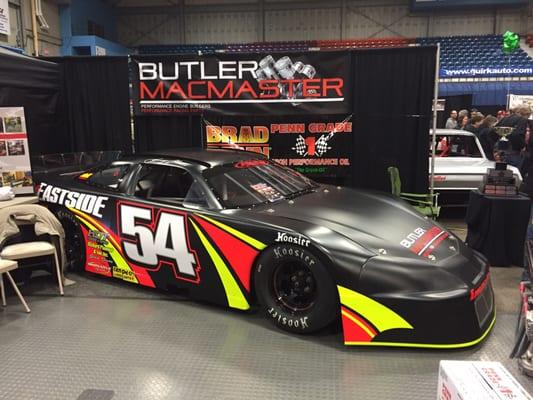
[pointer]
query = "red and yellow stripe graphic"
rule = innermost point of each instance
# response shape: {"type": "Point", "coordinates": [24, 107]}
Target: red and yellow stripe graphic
{"type": "Point", "coordinates": [363, 318]}
{"type": "Point", "coordinates": [232, 253]}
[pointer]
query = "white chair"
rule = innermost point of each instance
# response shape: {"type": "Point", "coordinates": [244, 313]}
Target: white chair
{"type": "Point", "coordinates": [23, 250]}
{"type": "Point", "coordinates": [5, 267]}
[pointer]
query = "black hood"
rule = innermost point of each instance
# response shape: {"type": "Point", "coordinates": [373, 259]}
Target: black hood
{"type": "Point", "coordinates": [402, 240]}
{"type": "Point", "coordinates": [374, 220]}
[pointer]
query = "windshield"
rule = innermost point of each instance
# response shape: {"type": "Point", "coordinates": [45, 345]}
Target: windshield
{"type": "Point", "coordinates": [253, 182]}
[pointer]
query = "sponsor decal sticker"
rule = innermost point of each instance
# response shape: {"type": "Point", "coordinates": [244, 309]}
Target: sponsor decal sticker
{"type": "Point", "coordinates": [412, 237]}
{"type": "Point", "coordinates": [294, 239]}
{"type": "Point", "coordinates": [423, 242]}
{"type": "Point", "coordinates": [250, 163]}
{"type": "Point", "coordinates": [239, 83]}
{"type": "Point", "coordinates": [88, 203]}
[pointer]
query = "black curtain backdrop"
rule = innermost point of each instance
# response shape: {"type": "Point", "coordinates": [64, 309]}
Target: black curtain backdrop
{"type": "Point", "coordinates": [392, 95]}
{"type": "Point", "coordinates": [155, 133]}
{"type": "Point", "coordinates": [94, 107]}
{"type": "Point", "coordinates": [34, 85]}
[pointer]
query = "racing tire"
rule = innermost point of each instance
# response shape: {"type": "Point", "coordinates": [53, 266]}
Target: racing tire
{"type": "Point", "coordinates": [74, 241]}
{"type": "Point", "coordinates": [295, 290]}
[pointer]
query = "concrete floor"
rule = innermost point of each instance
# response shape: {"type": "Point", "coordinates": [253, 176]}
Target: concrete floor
{"type": "Point", "coordinates": [109, 340]}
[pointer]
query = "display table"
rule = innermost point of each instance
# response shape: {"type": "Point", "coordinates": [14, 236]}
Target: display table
{"type": "Point", "coordinates": [19, 200]}
{"type": "Point", "coordinates": [497, 227]}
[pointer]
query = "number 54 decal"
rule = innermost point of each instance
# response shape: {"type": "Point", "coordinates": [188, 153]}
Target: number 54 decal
{"type": "Point", "coordinates": [153, 242]}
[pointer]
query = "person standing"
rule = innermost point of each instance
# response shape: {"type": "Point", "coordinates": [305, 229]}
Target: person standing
{"type": "Point", "coordinates": [474, 125]}
{"type": "Point", "coordinates": [461, 114]}
{"type": "Point", "coordinates": [451, 122]}
{"type": "Point", "coordinates": [519, 121]}
{"type": "Point", "coordinates": [463, 122]}
{"type": "Point", "coordinates": [488, 136]}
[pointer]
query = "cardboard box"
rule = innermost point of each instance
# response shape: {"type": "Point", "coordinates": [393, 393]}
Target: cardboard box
{"type": "Point", "coordinates": [478, 380]}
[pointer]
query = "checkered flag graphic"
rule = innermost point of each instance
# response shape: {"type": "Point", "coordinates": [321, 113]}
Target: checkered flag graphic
{"type": "Point", "coordinates": [321, 145]}
{"type": "Point", "coordinates": [300, 147]}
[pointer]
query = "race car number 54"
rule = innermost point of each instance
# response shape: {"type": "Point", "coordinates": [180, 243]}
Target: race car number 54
{"type": "Point", "coordinates": [146, 241]}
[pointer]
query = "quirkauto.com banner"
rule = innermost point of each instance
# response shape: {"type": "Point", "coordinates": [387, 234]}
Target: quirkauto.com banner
{"type": "Point", "coordinates": [286, 83]}
{"type": "Point", "coordinates": [470, 72]}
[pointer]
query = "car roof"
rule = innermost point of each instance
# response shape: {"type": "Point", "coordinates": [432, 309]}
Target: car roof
{"type": "Point", "coordinates": [207, 157]}
{"type": "Point", "coordinates": [451, 132]}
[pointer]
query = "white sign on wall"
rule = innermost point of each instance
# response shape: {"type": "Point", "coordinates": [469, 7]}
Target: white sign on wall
{"type": "Point", "coordinates": [516, 100]}
{"type": "Point", "coordinates": [100, 51]}
{"type": "Point", "coordinates": [15, 167]}
{"type": "Point", "coordinates": [4, 17]}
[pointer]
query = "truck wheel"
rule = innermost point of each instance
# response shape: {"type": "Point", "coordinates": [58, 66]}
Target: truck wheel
{"type": "Point", "coordinates": [295, 289]}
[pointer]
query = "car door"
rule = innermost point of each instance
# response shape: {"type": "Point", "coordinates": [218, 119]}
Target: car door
{"type": "Point", "coordinates": [156, 229]}
{"type": "Point", "coordinates": [152, 224]}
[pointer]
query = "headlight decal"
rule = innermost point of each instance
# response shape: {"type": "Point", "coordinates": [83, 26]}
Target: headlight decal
{"type": "Point", "coordinates": [423, 242]}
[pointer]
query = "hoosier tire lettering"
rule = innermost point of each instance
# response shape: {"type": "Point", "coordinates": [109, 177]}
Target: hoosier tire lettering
{"type": "Point", "coordinates": [302, 322]}
{"type": "Point", "coordinates": [282, 251]}
{"type": "Point", "coordinates": [294, 289]}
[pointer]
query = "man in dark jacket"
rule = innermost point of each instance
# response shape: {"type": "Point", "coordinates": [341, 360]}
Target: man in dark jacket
{"type": "Point", "coordinates": [519, 121]}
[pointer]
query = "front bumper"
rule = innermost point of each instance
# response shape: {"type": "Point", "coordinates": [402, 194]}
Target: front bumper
{"type": "Point", "coordinates": [441, 321]}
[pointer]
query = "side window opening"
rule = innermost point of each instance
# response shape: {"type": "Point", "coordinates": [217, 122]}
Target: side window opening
{"type": "Point", "coordinates": [457, 146]}
{"type": "Point", "coordinates": [108, 177]}
{"type": "Point", "coordinates": [172, 184]}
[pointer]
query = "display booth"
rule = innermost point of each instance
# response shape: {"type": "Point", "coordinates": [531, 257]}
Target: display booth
{"type": "Point", "coordinates": [343, 117]}
{"type": "Point", "coordinates": [379, 100]}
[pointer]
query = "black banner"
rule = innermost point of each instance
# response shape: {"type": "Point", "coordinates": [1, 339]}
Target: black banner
{"type": "Point", "coordinates": [280, 83]}
{"type": "Point", "coordinates": [318, 146]}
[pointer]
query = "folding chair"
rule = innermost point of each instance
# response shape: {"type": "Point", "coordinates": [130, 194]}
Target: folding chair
{"type": "Point", "coordinates": [24, 250]}
{"type": "Point", "coordinates": [5, 267]}
{"type": "Point", "coordinates": [424, 203]}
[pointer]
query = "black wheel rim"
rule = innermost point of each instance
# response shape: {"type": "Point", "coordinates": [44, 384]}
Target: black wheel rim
{"type": "Point", "coordinates": [294, 286]}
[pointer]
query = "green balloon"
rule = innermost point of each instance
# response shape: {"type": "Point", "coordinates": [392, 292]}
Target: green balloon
{"type": "Point", "coordinates": [511, 42]}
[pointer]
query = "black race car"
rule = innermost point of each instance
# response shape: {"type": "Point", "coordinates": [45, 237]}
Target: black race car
{"type": "Point", "coordinates": [236, 229]}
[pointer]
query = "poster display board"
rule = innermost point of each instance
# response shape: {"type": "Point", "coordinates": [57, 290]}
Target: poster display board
{"type": "Point", "coordinates": [15, 167]}
{"type": "Point", "coordinates": [318, 146]}
{"type": "Point", "coordinates": [4, 17]}
{"type": "Point", "coordinates": [239, 84]}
